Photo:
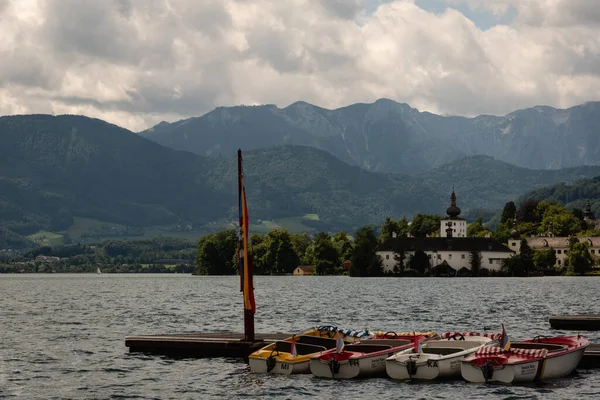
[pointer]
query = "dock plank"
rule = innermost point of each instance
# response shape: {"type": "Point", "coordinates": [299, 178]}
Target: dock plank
{"type": "Point", "coordinates": [232, 345]}
{"type": "Point", "coordinates": [201, 345]}
{"type": "Point", "coordinates": [591, 357]}
{"type": "Point", "coordinates": [584, 322]}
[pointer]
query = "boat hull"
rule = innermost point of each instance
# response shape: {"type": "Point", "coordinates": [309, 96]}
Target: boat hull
{"type": "Point", "coordinates": [280, 367]}
{"type": "Point", "coordinates": [439, 359]}
{"type": "Point", "coordinates": [277, 357]}
{"type": "Point", "coordinates": [508, 368]}
{"type": "Point", "coordinates": [427, 367]}
{"type": "Point", "coordinates": [366, 366]}
{"type": "Point", "coordinates": [557, 367]}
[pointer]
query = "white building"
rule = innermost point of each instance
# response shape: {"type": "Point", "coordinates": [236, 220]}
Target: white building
{"type": "Point", "coordinates": [451, 249]}
{"type": "Point", "coordinates": [560, 245]}
{"type": "Point", "coordinates": [455, 251]}
{"type": "Point", "coordinates": [453, 226]}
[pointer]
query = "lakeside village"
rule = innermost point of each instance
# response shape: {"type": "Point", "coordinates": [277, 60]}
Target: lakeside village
{"type": "Point", "coordinates": [540, 238]}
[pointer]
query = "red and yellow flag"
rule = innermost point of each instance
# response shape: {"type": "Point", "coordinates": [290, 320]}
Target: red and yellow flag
{"type": "Point", "coordinates": [243, 250]}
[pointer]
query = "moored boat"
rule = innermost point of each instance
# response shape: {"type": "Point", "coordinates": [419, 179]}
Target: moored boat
{"type": "Point", "coordinates": [538, 359]}
{"type": "Point", "coordinates": [438, 358]}
{"type": "Point", "coordinates": [362, 359]}
{"type": "Point", "coordinates": [292, 355]}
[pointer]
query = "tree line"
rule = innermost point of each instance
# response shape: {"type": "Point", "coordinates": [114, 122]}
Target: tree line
{"type": "Point", "coordinates": [158, 255]}
{"type": "Point", "coordinates": [280, 252]}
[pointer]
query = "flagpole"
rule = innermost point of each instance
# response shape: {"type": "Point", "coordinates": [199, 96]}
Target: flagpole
{"type": "Point", "coordinates": [245, 281]}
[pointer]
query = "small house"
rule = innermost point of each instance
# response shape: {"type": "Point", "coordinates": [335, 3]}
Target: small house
{"type": "Point", "coordinates": [304, 270]}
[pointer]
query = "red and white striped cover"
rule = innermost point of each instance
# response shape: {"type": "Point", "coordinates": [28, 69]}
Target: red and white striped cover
{"type": "Point", "coordinates": [489, 351]}
{"type": "Point", "coordinates": [537, 353]}
{"type": "Point", "coordinates": [493, 350]}
{"type": "Point", "coordinates": [492, 336]}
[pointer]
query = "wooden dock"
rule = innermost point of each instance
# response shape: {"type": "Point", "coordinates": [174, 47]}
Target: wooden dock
{"type": "Point", "coordinates": [232, 345]}
{"type": "Point", "coordinates": [589, 322]}
{"type": "Point", "coordinates": [591, 357]}
{"type": "Point", "coordinates": [201, 345]}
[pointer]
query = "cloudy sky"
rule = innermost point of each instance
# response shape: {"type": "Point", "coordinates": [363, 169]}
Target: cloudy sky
{"type": "Point", "coordinates": [137, 62]}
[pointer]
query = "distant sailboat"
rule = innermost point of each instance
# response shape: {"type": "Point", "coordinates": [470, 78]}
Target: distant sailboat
{"type": "Point", "coordinates": [98, 271]}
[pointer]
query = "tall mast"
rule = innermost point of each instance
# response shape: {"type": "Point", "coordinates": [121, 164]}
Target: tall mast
{"type": "Point", "coordinates": [245, 259]}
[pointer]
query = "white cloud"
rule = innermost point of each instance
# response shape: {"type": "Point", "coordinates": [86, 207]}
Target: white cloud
{"type": "Point", "coordinates": [135, 62]}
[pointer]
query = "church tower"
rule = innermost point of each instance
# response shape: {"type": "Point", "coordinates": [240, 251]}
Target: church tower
{"type": "Point", "coordinates": [453, 225]}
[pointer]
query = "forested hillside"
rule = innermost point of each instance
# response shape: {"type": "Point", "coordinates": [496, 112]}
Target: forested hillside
{"type": "Point", "coordinates": [60, 174]}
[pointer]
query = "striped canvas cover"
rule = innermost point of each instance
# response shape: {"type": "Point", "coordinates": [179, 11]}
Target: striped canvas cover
{"type": "Point", "coordinates": [492, 336]}
{"type": "Point", "coordinates": [494, 350]}
{"type": "Point", "coordinates": [411, 333]}
{"type": "Point", "coordinates": [346, 332]}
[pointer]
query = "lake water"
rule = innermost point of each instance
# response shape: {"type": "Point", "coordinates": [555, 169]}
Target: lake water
{"type": "Point", "coordinates": [62, 336]}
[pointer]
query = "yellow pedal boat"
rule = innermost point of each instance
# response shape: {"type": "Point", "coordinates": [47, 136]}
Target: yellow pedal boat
{"type": "Point", "coordinates": [276, 358]}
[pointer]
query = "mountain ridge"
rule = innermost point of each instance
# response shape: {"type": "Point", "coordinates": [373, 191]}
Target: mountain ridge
{"type": "Point", "coordinates": [387, 136]}
{"type": "Point", "coordinates": [55, 169]}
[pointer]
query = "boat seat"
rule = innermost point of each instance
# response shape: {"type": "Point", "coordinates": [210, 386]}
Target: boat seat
{"type": "Point", "coordinates": [453, 344]}
{"type": "Point", "coordinates": [442, 351]}
{"type": "Point", "coordinates": [550, 347]}
{"type": "Point", "coordinates": [316, 340]}
{"type": "Point", "coordinates": [301, 348]}
{"type": "Point", "coordinates": [367, 348]}
{"type": "Point", "coordinates": [387, 342]}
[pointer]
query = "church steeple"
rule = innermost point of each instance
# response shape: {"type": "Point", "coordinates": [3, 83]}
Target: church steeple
{"type": "Point", "coordinates": [453, 211]}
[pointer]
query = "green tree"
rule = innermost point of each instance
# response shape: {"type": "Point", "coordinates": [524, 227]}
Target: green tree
{"type": "Point", "coordinates": [279, 256]}
{"type": "Point", "coordinates": [364, 259]}
{"type": "Point", "coordinates": [309, 256]}
{"type": "Point", "coordinates": [578, 213]}
{"type": "Point", "coordinates": [259, 251]}
{"type": "Point", "coordinates": [217, 253]}
{"type": "Point", "coordinates": [475, 258]}
{"type": "Point", "coordinates": [508, 212]}
{"type": "Point", "coordinates": [399, 257]}
{"type": "Point", "coordinates": [343, 245]}
{"type": "Point", "coordinates": [579, 260]}
{"type": "Point", "coordinates": [419, 262]}
{"type": "Point", "coordinates": [544, 259]}
{"type": "Point", "coordinates": [425, 225]}
{"type": "Point", "coordinates": [476, 229]}
{"type": "Point", "coordinates": [526, 255]}
{"type": "Point", "coordinates": [556, 219]}
{"type": "Point", "coordinates": [527, 212]}
{"type": "Point", "coordinates": [403, 227]}
{"type": "Point", "coordinates": [503, 232]}
{"type": "Point", "coordinates": [388, 229]}
{"type": "Point", "coordinates": [326, 256]}
{"type": "Point", "coordinates": [301, 242]}
{"type": "Point", "coordinates": [512, 266]}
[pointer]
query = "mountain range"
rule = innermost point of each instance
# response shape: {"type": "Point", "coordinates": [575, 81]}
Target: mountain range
{"type": "Point", "coordinates": [55, 170]}
{"type": "Point", "coordinates": [386, 136]}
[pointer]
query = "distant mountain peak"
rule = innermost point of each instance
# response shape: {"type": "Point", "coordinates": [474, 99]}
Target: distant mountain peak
{"type": "Point", "coordinates": [394, 137]}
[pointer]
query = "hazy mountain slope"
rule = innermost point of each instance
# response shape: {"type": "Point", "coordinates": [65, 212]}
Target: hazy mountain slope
{"type": "Point", "coordinates": [574, 195]}
{"type": "Point", "coordinates": [483, 182]}
{"type": "Point", "coordinates": [393, 137]}
{"type": "Point", "coordinates": [53, 169]}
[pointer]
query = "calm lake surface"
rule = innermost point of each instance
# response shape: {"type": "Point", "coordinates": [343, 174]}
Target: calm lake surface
{"type": "Point", "coordinates": [63, 335]}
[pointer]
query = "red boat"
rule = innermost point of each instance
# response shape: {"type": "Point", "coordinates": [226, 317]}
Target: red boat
{"type": "Point", "coordinates": [538, 359]}
{"type": "Point", "coordinates": [366, 358]}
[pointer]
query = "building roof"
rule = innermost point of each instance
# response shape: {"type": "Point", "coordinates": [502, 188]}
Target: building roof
{"type": "Point", "coordinates": [307, 268]}
{"type": "Point", "coordinates": [443, 244]}
{"type": "Point", "coordinates": [559, 242]}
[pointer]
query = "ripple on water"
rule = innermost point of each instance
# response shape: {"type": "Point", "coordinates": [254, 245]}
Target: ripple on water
{"type": "Point", "coordinates": [73, 347]}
